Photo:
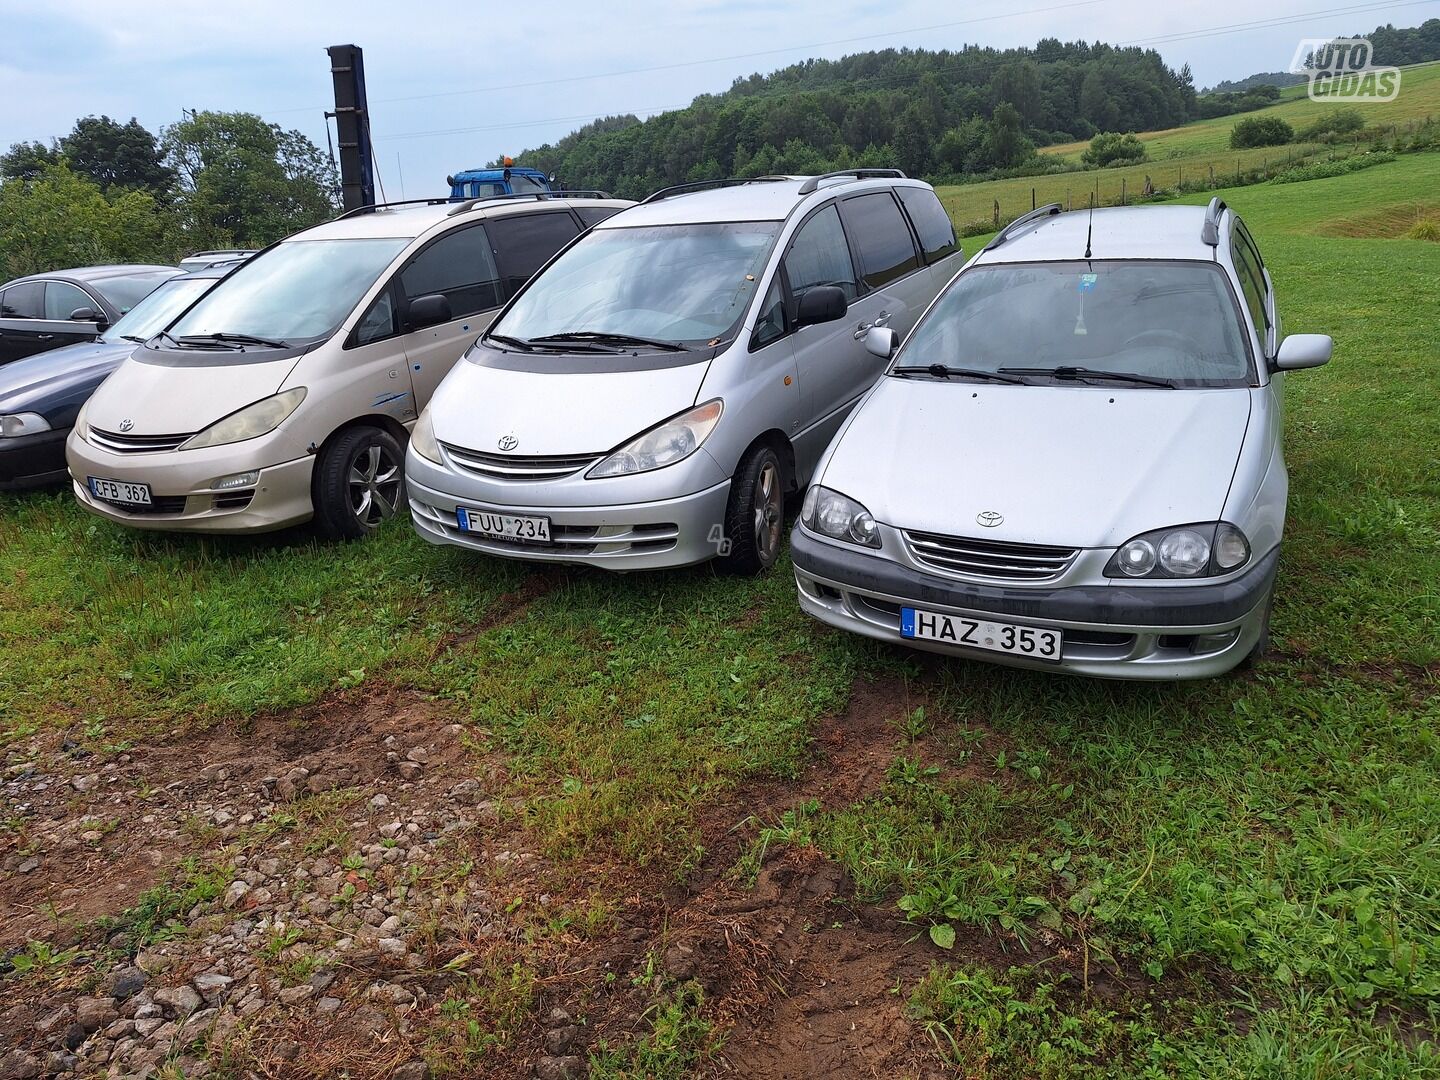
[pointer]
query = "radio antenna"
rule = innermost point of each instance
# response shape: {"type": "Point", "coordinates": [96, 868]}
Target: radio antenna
{"type": "Point", "coordinates": [1089, 228]}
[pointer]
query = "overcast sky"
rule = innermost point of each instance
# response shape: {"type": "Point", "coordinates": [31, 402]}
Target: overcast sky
{"type": "Point", "coordinates": [452, 85]}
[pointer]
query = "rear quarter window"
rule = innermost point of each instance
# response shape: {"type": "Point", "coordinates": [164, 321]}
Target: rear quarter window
{"type": "Point", "coordinates": [23, 301]}
{"type": "Point", "coordinates": [932, 223]}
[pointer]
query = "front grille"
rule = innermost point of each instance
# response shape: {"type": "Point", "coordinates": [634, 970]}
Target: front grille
{"type": "Point", "coordinates": [992, 559]}
{"type": "Point", "coordinates": [119, 443]}
{"type": "Point", "coordinates": [159, 504]}
{"type": "Point", "coordinates": [564, 539]}
{"type": "Point", "coordinates": [510, 467]}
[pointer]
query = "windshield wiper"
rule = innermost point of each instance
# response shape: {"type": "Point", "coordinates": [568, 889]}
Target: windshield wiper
{"type": "Point", "coordinates": [1068, 372]}
{"type": "Point", "coordinates": [944, 371]}
{"type": "Point", "coordinates": [238, 339]}
{"type": "Point", "coordinates": [513, 342]}
{"type": "Point", "coordinates": [133, 337]}
{"type": "Point", "coordinates": [601, 337]}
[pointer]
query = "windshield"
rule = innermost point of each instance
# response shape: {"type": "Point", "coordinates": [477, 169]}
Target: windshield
{"type": "Point", "coordinates": [124, 293]}
{"type": "Point", "coordinates": [300, 290]}
{"type": "Point", "coordinates": [158, 310]}
{"type": "Point", "coordinates": [1161, 320]}
{"type": "Point", "coordinates": [684, 283]}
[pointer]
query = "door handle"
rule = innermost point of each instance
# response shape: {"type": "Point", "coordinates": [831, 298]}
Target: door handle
{"type": "Point", "coordinates": [44, 337]}
{"type": "Point", "coordinates": [864, 328]}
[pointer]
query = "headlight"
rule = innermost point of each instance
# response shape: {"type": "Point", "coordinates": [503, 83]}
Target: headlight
{"type": "Point", "coordinates": [1182, 551]}
{"type": "Point", "coordinates": [839, 517]}
{"type": "Point", "coordinates": [82, 426]}
{"type": "Point", "coordinates": [251, 422]}
{"type": "Point", "coordinates": [25, 423]}
{"type": "Point", "coordinates": [422, 438]}
{"type": "Point", "coordinates": [674, 440]}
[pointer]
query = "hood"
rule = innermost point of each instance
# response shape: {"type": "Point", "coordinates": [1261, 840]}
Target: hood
{"type": "Point", "coordinates": [1069, 466]}
{"type": "Point", "coordinates": [53, 383]}
{"type": "Point", "coordinates": [553, 413]}
{"type": "Point", "coordinates": [166, 399]}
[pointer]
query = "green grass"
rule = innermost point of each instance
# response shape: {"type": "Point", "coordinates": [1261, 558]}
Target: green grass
{"type": "Point", "coordinates": [1256, 857]}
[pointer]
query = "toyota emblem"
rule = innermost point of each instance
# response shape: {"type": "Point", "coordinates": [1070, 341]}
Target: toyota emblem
{"type": "Point", "coordinates": [508, 442]}
{"type": "Point", "coordinates": [989, 518]}
{"type": "Point", "coordinates": [126, 425]}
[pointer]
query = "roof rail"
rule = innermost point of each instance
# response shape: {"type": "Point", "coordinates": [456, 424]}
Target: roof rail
{"type": "Point", "coordinates": [372, 207]}
{"type": "Point", "coordinates": [704, 185]}
{"type": "Point", "coordinates": [538, 196]}
{"type": "Point", "coordinates": [812, 184]}
{"type": "Point", "coordinates": [1032, 218]}
{"type": "Point", "coordinates": [1210, 231]}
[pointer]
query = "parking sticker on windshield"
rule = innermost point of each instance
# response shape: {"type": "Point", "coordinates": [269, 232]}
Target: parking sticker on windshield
{"type": "Point", "coordinates": [1087, 281]}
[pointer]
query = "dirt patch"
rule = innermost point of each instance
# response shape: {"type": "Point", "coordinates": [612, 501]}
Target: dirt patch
{"type": "Point", "coordinates": [1387, 223]}
{"type": "Point", "coordinates": [89, 833]}
{"type": "Point", "coordinates": [508, 607]}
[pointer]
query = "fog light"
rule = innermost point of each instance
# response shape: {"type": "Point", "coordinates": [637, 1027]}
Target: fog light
{"type": "Point", "coordinates": [239, 480]}
{"type": "Point", "coordinates": [1208, 643]}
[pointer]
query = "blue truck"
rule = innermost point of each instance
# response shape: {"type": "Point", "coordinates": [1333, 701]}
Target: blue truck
{"type": "Point", "coordinates": [509, 179]}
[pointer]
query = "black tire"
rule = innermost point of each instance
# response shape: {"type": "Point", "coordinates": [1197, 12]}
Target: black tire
{"type": "Point", "coordinates": [359, 482]}
{"type": "Point", "coordinates": [755, 516]}
{"type": "Point", "coordinates": [1262, 644]}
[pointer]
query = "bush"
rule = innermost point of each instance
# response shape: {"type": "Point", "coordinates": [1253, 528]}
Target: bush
{"type": "Point", "coordinates": [1112, 148]}
{"type": "Point", "coordinates": [1321, 170]}
{"type": "Point", "coordinates": [1333, 125]}
{"type": "Point", "coordinates": [1260, 131]}
{"type": "Point", "coordinates": [1427, 229]}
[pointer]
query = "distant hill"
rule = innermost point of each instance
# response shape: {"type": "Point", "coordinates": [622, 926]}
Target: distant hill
{"type": "Point", "coordinates": [1264, 78]}
{"type": "Point", "coordinates": [938, 114]}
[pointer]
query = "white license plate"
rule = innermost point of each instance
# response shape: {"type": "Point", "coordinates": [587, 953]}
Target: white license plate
{"type": "Point", "coordinates": [120, 491]}
{"type": "Point", "coordinates": [503, 526]}
{"type": "Point", "coordinates": [1032, 641]}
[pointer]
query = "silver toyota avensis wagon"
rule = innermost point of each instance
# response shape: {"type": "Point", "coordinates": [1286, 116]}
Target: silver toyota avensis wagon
{"type": "Point", "coordinates": [649, 397]}
{"type": "Point", "coordinates": [1075, 460]}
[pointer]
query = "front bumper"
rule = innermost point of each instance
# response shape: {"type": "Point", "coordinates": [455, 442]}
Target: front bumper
{"type": "Point", "coordinates": [635, 536]}
{"type": "Point", "coordinates": [1116, 631]}
{"type": "Point", "coordinates": [181, 483]}
{"type": "Point", "coordinates": [33, 460]}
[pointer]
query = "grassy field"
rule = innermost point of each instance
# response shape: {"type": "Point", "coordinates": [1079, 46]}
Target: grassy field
{"type": "Point", "coordinates": [1244, 873]}
{"type": "Point", "coordinates": [1190, 153]}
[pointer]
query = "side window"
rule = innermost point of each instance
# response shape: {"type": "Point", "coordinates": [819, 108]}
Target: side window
{"type": "Point", "coordinates": [932, 223]}
{"type": "Point", "coordinates": [521, 184]}
{"type": "Point", "coordinates": [882, 238]}
{"type": "Point", "coordinates": [592, 215]}
{"type": "Point", "coordinates": [23, 301]}
{"type": "Point", "coordinates": [485, 189]}
{"type": "Point", "coordinates": [819, 255]}
{"type": "Point", "coordinates": [461, 267]}
{"type": "Point", "coordinates": [525, 242]}
{"type": "Point", "coordinates": [770, 326]}
{"type": "Point", "coordinates": [61, 298]}
{"type": "Point", "coordinates": [379, 321]}
{"type": "Point", "coordinates": [1252, 285]}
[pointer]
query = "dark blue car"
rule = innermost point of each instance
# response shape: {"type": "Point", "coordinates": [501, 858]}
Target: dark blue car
{"type": "Point", "coordinates": [40, 395]}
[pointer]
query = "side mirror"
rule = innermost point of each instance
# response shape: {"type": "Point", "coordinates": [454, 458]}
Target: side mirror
{"type": "Point", "coordinates": [431, 310]}
{"type": "Point", "coordinates": [1303, 351]}
{"type": "Point", "coordinates": [86, 314]}
{"type": "Point", "coordinates": [881, 341]}
{"type": "Point", "coordinates": [821, 304]}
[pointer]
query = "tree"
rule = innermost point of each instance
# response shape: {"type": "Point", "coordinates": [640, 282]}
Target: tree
{"type": "Point", "coordinates": [117, 155]}
{"type": "Point", "coordinates": [1112, 148]}
{"type": "Point", "coordinates": [1019, 84]}
{"type": "Point", "coordinates": [58, 219]}
{"type": "Point", "coordinates": [1260, 131]}
{"type": "Point", "coordinates": [27, 160]}
{"type": "Point", "coordinates": [1006, 145]}
{"type": "Point", "coordinates": [912, 143]}
{"type": "Point", "coordinates": [243, 181]}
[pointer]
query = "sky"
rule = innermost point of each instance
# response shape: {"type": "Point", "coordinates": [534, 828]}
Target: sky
{"type": "Point", "coordinates": [454, 85]}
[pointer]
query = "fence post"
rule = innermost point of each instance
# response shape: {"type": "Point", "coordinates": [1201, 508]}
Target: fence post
{"type": "Point", "coordinates": [1180, 182]}
{"type": "Point", "coordinates": [1212, 176]}
{"type": "Point", "coordinates": [1122, 191]}
{"type": "Point", "coordinates": [1032, 198]}
{"type": "Point", "coordinates": [997, 212]}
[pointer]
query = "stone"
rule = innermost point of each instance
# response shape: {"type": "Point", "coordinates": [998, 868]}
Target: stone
{"type": "Point", "coordinates": [177, 1000]}
{"type": "Point", "coordinates": [18, 1065]}
{"type": "Point", "coordinates": [74, 1037]}
{"type": "Point", "coordinates": [295, 995]}
{"type": "Point", "coordinates": [61, 1017]}
{"type": "Point", "coordinates": [379, 802]}
{"type": "Point", "coordinates": [285, 1050]}
{"type": "Point", "coordinates": [559, 1068]}
{"type": "Point", "coordinates": [412, 1070]}
{"type": "Point", "coordinates": [391, 946]}
{"type": "Point", "coordinates": [560, 1041]}
{"type": "Point", "coordinates": [94, 1013]}
{"type": "Point", "coordinates": [86, 783]}
{"type": "Point", "coordinates": [211, 984]}
{"type": "Point", "coordinates": [418, 753]}
{"type": "Point", "coordinates": [28, 865]}
{"type": "Point", "coordinates": [466, 793]}
{"type": "Point", "coordinates": [409, 770]}
{"type": "Point", "coordinates": [235, 893]}
{"type": "Point", "coordinates": [327, 1005]}
{"type": "Point", "coordinates": [391, 829]}
{"type": "Point", "coordinates": [127, 981]}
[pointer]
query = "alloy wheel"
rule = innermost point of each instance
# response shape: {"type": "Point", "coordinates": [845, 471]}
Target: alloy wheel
{"type": "Point", "coordinates": [375, 483]}
{"type": "Point", "coordinates": [769, 513]}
